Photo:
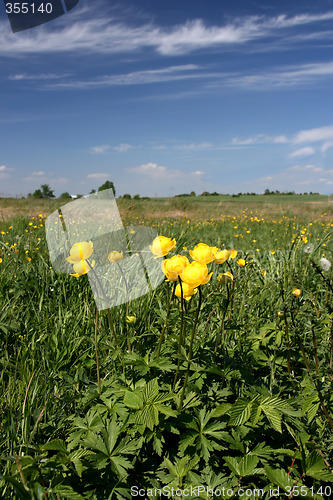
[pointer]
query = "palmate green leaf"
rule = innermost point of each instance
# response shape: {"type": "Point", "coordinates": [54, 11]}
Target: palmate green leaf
{"type": "Point", "coordinates": [240, 412]}
{"type": "Point", "coordinates": [245, 466]}
{"type": "Point", "coordinates": [279, 477]}
{"type": "Point", "coordinates": [55, 445]}
{"type": "Point", "coordinates": [274, 417]}
{"type": "Point", "coordinates": [315, 467]}
{"type": "Point", "coordinates": [133, 400]}
{"type": "Point", "coordinates": [67, 492]}
{"type": "Point", "coordinates": [222, 409]}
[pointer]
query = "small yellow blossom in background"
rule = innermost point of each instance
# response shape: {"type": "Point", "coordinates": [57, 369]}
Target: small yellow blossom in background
{"type": "Point", "coordinates": [10, 227]}
{"type": "Point", "coordinates": [30, 223]}
{"type": "Point", "coordinates": [80, 251]}
{"type": "Point", "coordinates": [224, 278]}
{"type": "Point", "coordinates": [3, 232]}
{"type": "Point", "coordinates": [29, 259]}
{"type": "Point", "coordinates": [221, 256]}
{"type": "Point", "coordinates": [202, 253]}
{"type": "Point", "coordinates": [174, 266]}
{"type": "Point", "coordinates": [241, 262]}
{"type": "Point", "coordinates": [130, 319]}
{"type": "Point", "coordinates": [115, 256]}
{"type": "Point", "coordinates": [132, 231]}
{"type": "Point", "coordinates": [272, 252]}
{"type": "Point", "coordinates": [0, 260]}
{"type": "Point", "coordinates": [162, 245]}
{"type": "Point", "coordinates": [82, 267]}
{"type": "Point", "coordinates": [188, 291]}
{"type": "Point", "coordinates": [233, 253]}
{"type": "Point", "coordinates": [297, 292]}
{"type": "Point", "coordinates": [304, 239]}
{"type": "Point", "coordinates": [195, 274]}
{"type": "Point", "coordinates": [40, 215]}
{"type": "Point", "coordinates": [185, 248]}
{"type": "Point", "coordinates": [263, 272]}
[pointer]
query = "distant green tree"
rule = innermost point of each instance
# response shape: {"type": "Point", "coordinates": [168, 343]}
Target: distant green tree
{"type": "Point", "coordinates": [93, 191]}
{"type": "Point", "coordinates": [136, 197]}
{"type": "Point", "coordinates": [64, 196]}
{"type": "Point", "coordinates": [127, 196]}
{"type": "Point", "coordinates": [107, 185]}
{"type": "Point", "coordinates": [37, 194]}
{"type": "Point", "coordinates": [47, 192]}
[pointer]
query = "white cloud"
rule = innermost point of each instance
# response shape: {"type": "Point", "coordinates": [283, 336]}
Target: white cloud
{"type": "Point", "coordinates": [122, 148]}
{"type": "Point", "coordinates": [4, 172]}
{"type": "Point", "coordinates": [105, 35]}
{"type": "Point", "coordinates": [307, 151]}
{"type": "Point", "coordinates": [155, 171]}
{"type": "Point", "coordinates": [40, 172]}
{"type": "Point", "coordinates": [194, 146]}
{"type": "Point", "coordinates": [260, 139]}
{"type": "Point", "coordinates": [327, 145]}
{"type": "Point", "coordinates": [314, 135]}
{"type": "Point", "coordinates": [99, 149]}
{"type": "Point", "coordinates": [98, 177]}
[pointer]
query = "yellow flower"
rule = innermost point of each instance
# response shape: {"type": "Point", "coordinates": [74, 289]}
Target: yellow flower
{"type": "Point", "coordinates": [215, 249]}
{"type": "Point", "coordinates": [188, 291]}
{"type": "Point", "coordinates": [263, 272]}
{"type": "Point", "coordinates": [195, 274]}
{"type": "Point", "coordinates": [224, 278]}
{"type": "Point", "coordinates": [0, 260]}
{"type": "Point", "coordinates": [174, 266]}
{"type": "Point", "coordinates": [241, 262]}
{"type": "Point", "coordinates": [162, 245]}
{"type": "Point", "coordinates": [114, 256]}
{"type": "Point", "coordinates": [80, 251]}
{"type": "Point", "coordinates": [82, 267]}
{"type": "Point", "coordinates": [297, 292]}
{"type": "Point", "coordinates": [202, 253]}
{"type": "Point", "coordinates": [233, 253]}
{"type": "Point", "coordinates": [272, 252]}
{"type": "Point", "coordinates": [222, 256]}
{"type": "Point", "coordinates": [130, 319]}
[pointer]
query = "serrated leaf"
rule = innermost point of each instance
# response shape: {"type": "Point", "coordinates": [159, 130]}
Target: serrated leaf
{"type": "Point", "coordinates": [240, 412]}
{"type": "Point", "coordinates": [55, 445]}
{"type": "Point", "coordinates": [274, 417]}
{"type": "Point", "coordinates": [133, 400]}
{"type": "Point", "coordinates": [279, 478]}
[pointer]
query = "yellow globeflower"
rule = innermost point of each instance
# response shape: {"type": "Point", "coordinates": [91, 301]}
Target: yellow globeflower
{"type": "Point", "coordinates": [80, 251]}
{"type": "Point", "coordinates": [241, 262]}
{"type": "Point", "coordinates": [188, 291]}
{"type": "Point", "coordinates": [297, 292]}
{"type": "Point", "coordinates": [174, 266]}
{"type": "Point", "coordinates": [114, 256]}
{"type": "Point", "coordinates": [162, 245]}
{"type": "Point", "coordinates": [202, 253]}
{"type": "Point", "coordinates": [195, 274]}
{"type": "Point", "coordinates": [224, 278]}
{"type": "Point", "coordinates": [215, 249]}
{"type": "Point", "coordinates": [233, 253]}
{"type": "Point", "coordinates": [82, 267]}
{"type": "Point", "coordinates": [221, 256]}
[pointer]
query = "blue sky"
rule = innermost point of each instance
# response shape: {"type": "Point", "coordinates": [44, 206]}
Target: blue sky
{"type": "Point", "coordinates": [170, 97]}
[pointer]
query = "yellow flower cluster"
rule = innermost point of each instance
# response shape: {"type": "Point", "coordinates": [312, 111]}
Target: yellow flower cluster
{"type": "Point", "coordinates": [193, 274]}
{"type": "Point", "coordinates": [79, 255]}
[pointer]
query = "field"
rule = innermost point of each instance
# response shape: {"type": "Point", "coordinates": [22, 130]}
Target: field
{"type": "Point", "coordinates": [225, 393]}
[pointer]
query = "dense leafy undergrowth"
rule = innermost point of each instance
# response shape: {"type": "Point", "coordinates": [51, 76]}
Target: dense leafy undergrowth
{"type": "Point", "coordinates": [237, 402]}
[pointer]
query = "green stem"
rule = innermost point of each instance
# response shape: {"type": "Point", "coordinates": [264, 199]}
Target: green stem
{"type": "Point", "coordinates": [180, 335]}
{"type": "Point", "coordinates": [166, 318]}
{"type": "Point", "coordinates": [127, 302]}
{"type": "Point", "coordinates": [287, 333]}
{"type": "Point", "coordinates": [190, 349]}
{"type": "Point", "coordinates": [96, 352]}
{"type": "Point", "coordinates": [106, 301]}
{"type": "Point", "coordinates": [218, 337]}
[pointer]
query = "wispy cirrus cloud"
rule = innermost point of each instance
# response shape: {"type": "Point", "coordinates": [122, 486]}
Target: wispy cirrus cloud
{"type": "Point", "coordinates": [154, 171]}
{"type": "Point", "coordinates": [103, 148]}
{"type": "Point", "coordinates": [260, 139]}
{"type": "Point", "coordinates": [107, 35]}
{"type": "Point", "coordinates": [314, 135]}
{"type": "Point", "coordinates": [307, 151]}
{"type": "Point", "coordinates": [98, 176]}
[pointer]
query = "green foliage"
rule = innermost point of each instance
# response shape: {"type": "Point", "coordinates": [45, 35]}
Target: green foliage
{"type": "Point", "coordinates": [107, 185]}
{"type": "Point", "coordinates": [255, 413]}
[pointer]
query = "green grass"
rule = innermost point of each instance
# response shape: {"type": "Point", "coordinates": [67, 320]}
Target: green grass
{"type": "Point", "coordinates": [250, 407]}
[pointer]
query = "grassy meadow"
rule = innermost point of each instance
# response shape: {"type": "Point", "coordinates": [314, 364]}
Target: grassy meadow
{"type": "Point", "coordinates": [223, 394]}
